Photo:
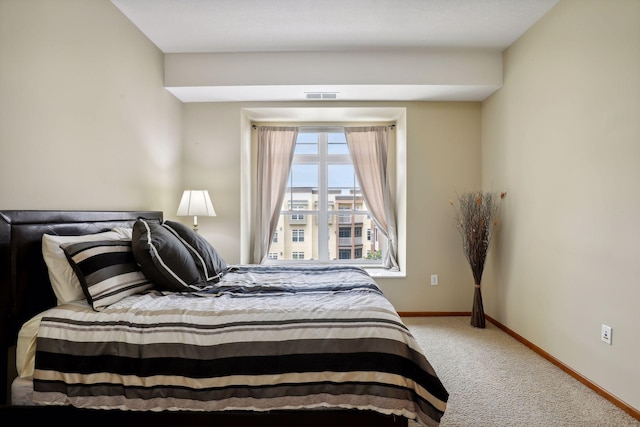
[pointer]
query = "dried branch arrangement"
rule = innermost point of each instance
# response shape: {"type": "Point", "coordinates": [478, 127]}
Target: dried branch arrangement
{"type": "Point", "coordinates": [476, 218]}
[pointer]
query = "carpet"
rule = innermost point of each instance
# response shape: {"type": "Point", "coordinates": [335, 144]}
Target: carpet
{"type": "Point", "coordinates": [494, 380]}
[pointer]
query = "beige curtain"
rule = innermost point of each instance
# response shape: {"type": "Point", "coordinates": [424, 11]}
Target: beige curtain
{"type": "Point", "coordinates": [276, 145]}
{"type": "Point", "coordinates": [368, 147]}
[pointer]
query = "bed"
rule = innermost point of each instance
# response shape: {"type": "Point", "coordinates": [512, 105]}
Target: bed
{"type": "Point", "coordinates": [295, 345]}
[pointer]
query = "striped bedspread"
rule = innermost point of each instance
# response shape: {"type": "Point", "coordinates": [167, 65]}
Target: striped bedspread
{"type": "Point", "coordinates": [264, 338]}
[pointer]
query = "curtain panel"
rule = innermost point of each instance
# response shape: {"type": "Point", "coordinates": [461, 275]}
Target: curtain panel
{"type": "Point", "coordinates": [276, 146]}
{"type": "Point", "coordinates": [368, 147]}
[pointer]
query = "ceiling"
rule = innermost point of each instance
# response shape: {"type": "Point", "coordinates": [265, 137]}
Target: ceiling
{"type": "Point", "coordinates": [252, 26]}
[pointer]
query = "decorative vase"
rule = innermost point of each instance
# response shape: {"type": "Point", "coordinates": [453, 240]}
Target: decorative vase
{"type": "Point", "coordinates": [477, 311]}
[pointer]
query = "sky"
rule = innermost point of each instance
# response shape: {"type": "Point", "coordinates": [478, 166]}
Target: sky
{"type": "Point", "coordinates": [339, 175]}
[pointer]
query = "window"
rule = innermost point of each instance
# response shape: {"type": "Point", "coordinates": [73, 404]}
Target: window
{"type": "Point", "coordinates": [344, 232]}
{"type": "Point", "coordinates": [323, 198]}
{"type": "Point", "coordinates": [297, 235]}
{"type": "Point", "coordinates": [297, 206]}
{"type": "Point", "coordinates": [254, 117]}
{"type": "Point", "coordinates": [272, 255]}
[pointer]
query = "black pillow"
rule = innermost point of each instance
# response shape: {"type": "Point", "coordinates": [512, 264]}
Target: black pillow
{"type": "Point", "coordinates": [169, 260]}
{"type": "Point", "coordinates": [163, 258]}
{"type": "Point", "coordinates": [211, 263]}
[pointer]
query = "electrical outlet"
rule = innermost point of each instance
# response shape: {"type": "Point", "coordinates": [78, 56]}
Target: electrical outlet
{"type": "Point", "coordinates": [434, 279]}
{"type": "Point", "coordinates": [605, 335]}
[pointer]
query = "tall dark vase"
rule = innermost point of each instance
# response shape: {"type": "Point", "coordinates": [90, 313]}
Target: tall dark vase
{"type": "Point", "coordinates": [477, 311]}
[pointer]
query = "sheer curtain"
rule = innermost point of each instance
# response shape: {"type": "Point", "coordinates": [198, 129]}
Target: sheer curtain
{"type": "Point", "coordinates": [276, 145]}
{"type": "Point", "coordinates": [368, 148]}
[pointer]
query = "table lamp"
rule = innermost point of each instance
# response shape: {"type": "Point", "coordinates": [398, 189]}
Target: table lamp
{"type": "Point", "coordinates": [196, 203]}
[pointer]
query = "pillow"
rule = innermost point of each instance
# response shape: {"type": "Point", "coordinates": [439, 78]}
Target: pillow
{"type": "Point", "coordinates": [163, 258]}
{"type": "Point", "coordinates": [210, 262]}
{"type": "Point", "coordinates": [107, 270]}
{"type": "Point", "coordinates": [172, 262]}
{"type": "Point", "coordinates": [64, 280]}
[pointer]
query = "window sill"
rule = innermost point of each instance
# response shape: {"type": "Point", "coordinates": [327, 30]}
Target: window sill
{"type": "Point", "coordinates": [383, 273]}
{"type": "Point", "coordinates": [372, 270]}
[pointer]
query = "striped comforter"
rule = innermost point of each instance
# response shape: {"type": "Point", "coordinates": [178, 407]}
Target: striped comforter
{"type": "Point", "coordinates": [264, 338]}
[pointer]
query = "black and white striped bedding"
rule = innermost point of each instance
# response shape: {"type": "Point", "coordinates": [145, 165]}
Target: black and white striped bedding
{"type": "Point", "coordinates": [263, 338]}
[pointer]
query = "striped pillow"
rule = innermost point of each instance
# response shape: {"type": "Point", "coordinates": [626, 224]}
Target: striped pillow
{"type": "Point", "coordinates": [107, 270]}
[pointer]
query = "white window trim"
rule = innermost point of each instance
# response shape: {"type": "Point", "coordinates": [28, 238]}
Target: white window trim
{"type": "Point", "coordinates": [305, 115]}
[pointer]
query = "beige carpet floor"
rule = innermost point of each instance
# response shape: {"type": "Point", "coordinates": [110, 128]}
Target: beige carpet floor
{"type": "Point", "coordinates": [494, 380]}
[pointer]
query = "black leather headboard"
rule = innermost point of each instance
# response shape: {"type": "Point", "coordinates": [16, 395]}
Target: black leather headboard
{"type": "Point", "coordinates": [25, 289]}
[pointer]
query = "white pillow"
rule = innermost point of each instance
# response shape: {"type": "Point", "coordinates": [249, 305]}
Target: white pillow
{"type": "Point", "coordinates": [64, 280]}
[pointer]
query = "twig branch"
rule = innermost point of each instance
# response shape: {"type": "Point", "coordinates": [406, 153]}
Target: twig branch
{"type": "Point", "coordinates": [476, 214]}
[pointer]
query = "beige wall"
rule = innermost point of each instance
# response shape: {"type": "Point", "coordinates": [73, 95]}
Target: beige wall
{"type": "Point", "coordinates": [442, 159]}
{"type": "Point", "coordinates": [85, 122]}
{"type": "Point", "coordinates": [563, 138]}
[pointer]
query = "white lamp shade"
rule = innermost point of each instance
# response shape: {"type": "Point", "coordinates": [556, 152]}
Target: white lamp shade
{"type": "Point", "coordinates": [196, 203]}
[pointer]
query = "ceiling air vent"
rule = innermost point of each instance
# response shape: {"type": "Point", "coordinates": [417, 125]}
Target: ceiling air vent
{"type": "Point", "coordinates": [321, 95]}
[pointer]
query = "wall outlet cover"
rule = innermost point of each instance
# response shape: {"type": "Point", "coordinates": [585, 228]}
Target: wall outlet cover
{"type": "Point", "coordinates": [605, 334]}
